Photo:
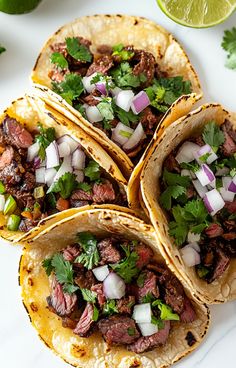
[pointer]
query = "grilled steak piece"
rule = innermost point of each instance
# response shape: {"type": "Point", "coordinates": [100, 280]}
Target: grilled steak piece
{"type": "Point", "coordinates": [84, 279]}
{"type": "Point", "coordinates": [118, 330]}
{"type": "Point", "coordinates": [7, 157]}
{"type": "Point", "coordinates": [174, 292]}
{"type": "Point", "coordinates": [29, 182]}
{"type": "Point", "coordinates": [151, 342]}
{"type": "Point", "coordinates": [81, 195]}
{"type": "Point", "coordinates": [11, 174]}
{"type": "Point", "coordinates": [145, 255]}
{"type": "Point", "coordinates": [229, 146]}
{"type": "Point", "coordinates": [149, 120]}
{"type": "Point", "coordinates": [222, 262]}
{"type": "Point", "coordinates": [124, 305]}
{"type": "Point", "coordinates": [68, 322]}
{"type": "Point", "coordinates": [188, 314]}
{"type": "Point", "coordinates": [149, 286]}
{"type": "Point", "coordinates": [62, 303]}
{"type": "Point", "coordinates": [108, 252]}
{"type": "Point", "coordinates": [86, 321]}
{"type": "Point", "coordinates": [146, 65]}
{"type": "Point", "coordinates": [231, 206]}
{"type": "Point", "coordinates": [101, 65]}
{"type": "Point", "coordinates": [103, 192]}
{"type": "Point", "coordinates": [71, 252]}
{"type": "Point", "coordinates": [214, 230]}
{"type": "Point", "coordinates": [98, 289]}
{"type": "Point", "coordinates": [228, 127]}
{"type": "Point", "coordinates": [17, 135]}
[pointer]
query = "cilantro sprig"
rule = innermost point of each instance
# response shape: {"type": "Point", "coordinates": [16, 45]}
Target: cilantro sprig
{"type": "Point", "coordinates": [92, 171]}
{"type": "Point", "coordinates": [166, 312]}
{"type": "Point", "coordinates": [77, 50]}
{"type": "Point", "coordinates": [213, 136]}
{"type": "Point", "coordinates": [90, 255]}
{"type": "Point", "coordinates": [110, 307]}
{"type": "Point", "coordinates": [65, 185]}
{"type": "Point", "coordinates": [123, 76]}
{"type": "Point", "coordinates": [229, 45]}
{"type": "Point", "coordinates": [59, 60]}
{"type": "Point", "coordinates": [124, 55]}
{"type": "Point", "coordinates": [127, 268]}
{"type": "Point", "coordinates": [70, 88]}
{"type": "Point", "coordinates": [46, 136]}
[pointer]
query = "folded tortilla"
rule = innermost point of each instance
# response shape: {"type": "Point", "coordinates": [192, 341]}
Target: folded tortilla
{"type": "Point", "coordinates": [224, 288]}
{"type": "Point", "coordinates": [93, 351]}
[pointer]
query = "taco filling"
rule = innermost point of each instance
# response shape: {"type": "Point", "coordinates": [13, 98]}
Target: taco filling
{"type": "Point", "coordinates": [41, 174]}
{"type": "Point", "coordinates": [118, 89]}
{"type": "Point", "coordinates": [198, 192]}
{"type": "Point", "coordinates": [114, 286]}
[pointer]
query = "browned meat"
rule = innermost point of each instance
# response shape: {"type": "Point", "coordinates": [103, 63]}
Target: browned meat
{"type": "Point", "coordinates": [145, 255]}
{"type": "Point", "coordinates": [229, 146]}
{"type": "Point", "coordinates": [149, 120]}
{"type": "Point", "coordinates": [221, 265]}
{"type": "Point", "coordinates": [81, 195]}
{"type": "Point", "coordinates": [171, 164]}
{"type": "Point", "coordinates": [146, 65]}
{"type": "Point", "coordinates": [108, 252]}
{"type": "Point", "coordinates": [68, 322]}
{"type": "Point", "coordinates": [6, 157]}
{"type": "Point", "coordinates": [57, 75]}
{"type": "Point", "coordinates": [188, 315]}
{"type": "Point", "coordinates": [98, 288]}
{"type": "Point", "coordinates": [84, 279]}
{"type": "Point", "coordinates": [24, 199]}
{"type": "Point", "coordinates": [101, 65]}
{"type": "Point", "coordinates": [17, 135]}
{"type": "Point", "coordinates": [86, 321]}
{"type": "Point", "coordinates": [28, 182]}
{"type": "Point", "coordinates": [230, 225]}
{"type": "Point", "coordinates": [207, 257]}
{"type": "Point", "coordinates": [151, 342]}
{"type": "Point", "coordinates": [124, 305]}
{"type": "Point", "coordinates": [103, 192]}
{"type": "Point", "coordinates": [118, 330]}
{"type": "Point", "coordinates": [26, 225]}
{"type": "Point", "coordinates": [229, 236]}
{"type": "Point", "coordinates": [149, 286]}
{"type": "Point", "coordinates": [104, 49]}
{"type": "Point", "coordinates": [190, 192]}
{"type": "Point", "coordinates": [91, 100]}
{"type": "Point", "coordinates": [229, 129]}
{"type": "Point", "coordinates": [71, 252]}
{"type": "Point", "coordinates": [11, 174]}
{"type": "Point", "coordinates": [231, 206]}
{"type": "Point", "coordinates": [62, 303]}
{"type": "Point", "coordinates": [214, 230]}
{"type": "Point", "coordinates": [174, 292]}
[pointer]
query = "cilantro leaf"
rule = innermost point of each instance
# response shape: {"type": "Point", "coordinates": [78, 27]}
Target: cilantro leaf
{"type": "Point", "coordinates": [229, 45]}
{"type": "Point", "coordinates": [158, 322]}
{"type": "Point", "coordinates": [47, 264]}
{"type": "Point", "coordinates": [127, 268]}
{"type": "Point", "coordinates": [141, 279]}
{"type": "Point", "coordinates": [90, 257]}
{"type": "Point", "coordinates": [46, 136]}
{"type": "Point", "coordinates": [123, 76]}
{"type": "Point", "coordinates": [65, 185]}
{"type": "Point", "coordinates": [202, 271]}
{"type": "Point", "coordinates": [192, 166]}
{"type": "Point", "coordinates": [105, 109]}
{"type": "Point", "coordinates": [124, 55]}
{"type": "Point", "coordinates": [69, 288]}
{"type": "Point", "coordinates": [59, 60]}
{"type": "Point", "coordinates": [213, 136]}
{"type": "Point", "coordinates": [70, 88]}
{"type": "Point", "coordinates": [92, 170]}
{"type": "Point", "coordinates": [171, 192]}
{"type": "Point", "coordinates": [51, 200]}
{"type": "Point", "coordinates": [64, 272]}
{"type": "Point", "coordinates": [84, 186]}
{"type": "Point", "coordinates": [148, 298]}
{"type": "Point", "coordinates": [173, 179]}
{"type": "Point", "coordinates": [88, 295]}
{"type": "Point", "coordinates": [95, 313]}
{"type": "Point", "coordinates": [77, 50]}
{"type": "Point", "coordinates": [167, 313]}
{"type": "Point", "coordinates": [125, 117]}
{"type": "Point", "coordinates": [110, 307]}
{"type": "Point", "coordinates": [179, 231]}
{"type": "Point", "coordinates": [2, 49]}
{"type": "Point", "coordinates": [195, 211]}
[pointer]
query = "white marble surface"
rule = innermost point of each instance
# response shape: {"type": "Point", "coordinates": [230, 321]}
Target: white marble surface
{"type": "Point", "coordinates": [23, 37]}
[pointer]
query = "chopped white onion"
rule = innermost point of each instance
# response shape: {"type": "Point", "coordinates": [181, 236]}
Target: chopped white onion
{"type": "Point", "coordinates": [79, 175]}
{"type": "Point", "coordinates": [186, 152]}
{"type": "Point", "coordinates": [142, 313]}
{"type": "Point", "coordinates": [114, 286]}
{"type": "Point", "coordinates": [147, 329]}
{"type": "Point", "coordinates": [205, 175]}
{"type": "Point", "coordinates": [87, 83]}
{"type": "Point", "coordinates": [193, 237]}
{"type": "Point", "coordinates": [226, 180]}
{"type": "Point", "coordinates": [121, 133]}
{"type": "Point", "coordinates": [190, 256]}
{"type": "Point", "coordinates": [64, 149]}
{"type": "Point", "coordinates": [78, 159]}
{"type": "Point", "coordinates": [2, 202]}
{"type": "Point", "coordinates": [49, 176]}
{"type": "Point", "coordinates": [232, 185]}
{"type": "Point", "coordinates": [69, 140]}
{"type": "Point", "coordinates": [194, 245]}
{"type": "Point", "coordinates": [52, 155]}
{"type": "Point", "coordinates": [213, 201]}
{"type": "Point", "coordinates": [186, 172]}
{"type": "Point", "coordinates": [40, 175]}
{"type": "Point", "coordinates": [33, 151]}
{"type": "Point", "coordinates": [115, 91]}
{"type": "Point", "coordinates": [140, 102]}
{"type": "Point", "coordinates": [206, 149]}
{"type": "Point", "coordinates": [93, 114]}
{"type": "Point", "coordinates": [222, 172]}
{"type": "Point", "coordinates": [227, 195]}
{"type": "Point", "coordinates": [136, 137]}
{"type": "Point", "coordinates": [124, 99]}
{"type": "Point", "coordinates": [201, 190]}
{"type": "Point", "coordinates": [101, 272]}
{"type": "Point", "coordinates": [65, 167]}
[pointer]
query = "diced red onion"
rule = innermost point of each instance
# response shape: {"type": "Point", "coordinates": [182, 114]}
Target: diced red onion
{"type": "Point", "coordinates": [193, 237]}
{"type": "Point", "coordinates": [226, 180]}
{"type": "Point", "coordinates": [124, 99]}
{"type": "Point", "coordinates": [118, 137]}
{"type": "Point", "coordinates": [101, 272]}
{"type": "Point", "coordinates": [227, 195]}
{"type": "Point", "coordinates": [190, 256]}
{"type": "Point", "coordinates": [79, 175]}
{"type": "Point", "coordinates": [33, 151]}
{"type": "Point", "coordinates": [101, 87]}
{"type": "Point", "coordinates": [205, 175]}
{"type": "Point", "coordinates": [201, 190]}
{"type": "Point", "coordinates": [115, 91]}
{"type": "Point", "coordinates": [93, 114]}
{"type": "Point", "coordinates": [40, 175]}
{"type": "Point", "coordinates": [87, 83]}
{"type": "Point", "coordinates": [222, 172]}
{"type": "Point", "coordinates": [140, 102]}
{"type": "Point", "coordinates": [78, 159]}
{"type": "Point", "coordinates": [203, 151]}
{"type": "Point", "coordinates": [232, 185]}
{"type": "Point", "coordinates": [52, 155]}
{"type": "Point", "coordinates": [147, 329]}
{"type": "Point", "coordinates": [136, 137]}
{"type": "Point", "coordinates": [142, 313]}
{"type": "Point", "coordinates": [49, 176]}
{"type": "Point", "coordinates": [114, 286]}
{"type": "Point", "coordinates": [37, 162]}
{"type": "Point", "coordinates": [186, 152]}
{"type": "Point", "coordinates": [69, 140]}
{"type": "Point", "coordinates": [213, 201]}
{"type": "Point", "coordinates": [2, 202]}
{"type": "Point", "coordinates": [186, 172]}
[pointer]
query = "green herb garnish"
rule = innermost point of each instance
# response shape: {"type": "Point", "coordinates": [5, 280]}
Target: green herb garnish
{"type": "Point", "coordinates": [124, 55]}
{"type": "Point", "coordinates": [229, 45]}
{"type": "Point", "coordinates": [70, 88]}
{"type": "Point", "coordinates": [92, 171]}
{"type": "Point", "coordinates": [65, 185]}
{"type": "Point", "coordinates": [2, 49]}
{"type": "Point", "coordinates": [110, 307]}
{"type": "Point", "coordinates": [59, 60]}
{"type": "Point", "coordinates": [123, 76]}
{"type": "Point", "coordinates": [90, 256]}
{"type": "Point", "coordinates": [46, 136]}
{"type": "Point", "coordinates": [213, 136]}
{"type": "Point", "coordinates": [77, 50]}
{"type": "Point", "coordinates": [88, 295]}
{"type": "Point", "coordinates": [167, 313]}
{"type": "Point", "coordinates": [127, 268]}
{"type": "Point", "coordinates": [131, 331]}
{"type": "Point", "coordinates": [47, 264]}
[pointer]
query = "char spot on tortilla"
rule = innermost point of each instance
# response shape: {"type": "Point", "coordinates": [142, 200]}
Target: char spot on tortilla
{"type": "Point", "coordinates": [78, 351]}
{"type": "Point", "coordinates": [135, 364]}
{"type": "Point", "coordinates": [27, 312]}
{"type": "Point", "coordinates": [90, 150]}
{"type": "Point", "coordinates": [191, 340]}
{"type": "Point", "coordinates": [135, 22]}
{"type": "Point", "coordinates": [33, 307]}
{"type": "Point", "coordinates": [111, 170]}
{"type": "Point", "coordinates": [119, 15]}
{"type": "Point", "coordinates": [30, 281]}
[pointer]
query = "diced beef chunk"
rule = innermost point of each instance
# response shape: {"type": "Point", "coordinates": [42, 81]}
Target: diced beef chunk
{"type": "Point", "coordinates": [71, 252]}
{"type": "Point", "coordinates": [7, 157]}
{"type": "Point", "coordinates": [229, 236]}
{"type": "Point", "coordinates": [151, 342]}
{"type": "Point", "coordinates": [62, 303]}
{"type": "Point", "coordinates": [149, 286]}
{"type": "Point", "coordinates": [230, 225]}
{"type": "Point", "coordinates": [222, 263]}
{"type": "Point", "coordinates": [98, 288]}
{"type": "Point", "coordinates": [17, 135]}
{"type": "Point", "coordinates": [149, 120]}
{"type": "Point", "coordinates": [214, 230]}
{"type": "Point", "coordinates": [145, 254]}
{"type": "Point", "coordinates": [229, 145]}
{"type": "Point", "coordinates": [91, 99]}
{"type": "Point", "coordinates": [84, 279]}
{"type": "Point", "coordinates": [171, 164]}
{"type": "Point", "coordinates": [188, 314]}
{"type": "Point", "coordinates": [103, 192]}
{"type": "Point", "coordinates": [228, 126]}
{"type": "Point", "coordinates": [24, 199]}
{"type": "Point", "coordinates": [81, 195]}
{"type": "Point", "coordinates": [124, 305]}
{"type": "Point", "coordinates": [86, 321]}
{"type": "Point", "coordinates": [146, 65]}
{"type": "Point", "coordinates": [11, 174]}
{"type": "Point", "coordinates": [108, 252]}
{"type": "Point", "coordinates": [118, 330]}
{"type": "Point", "coordinates": [101, 65]}
{"type": "Point", "coordinates": [231, 206]}
{"type": "Point", "coordinates": [174, 292]}
{"type": "Point", "coordinates": [28, 182]}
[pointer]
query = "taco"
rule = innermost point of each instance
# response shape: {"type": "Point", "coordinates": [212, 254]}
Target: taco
{"type": "Point", "coordinates": [102, 295]}
{"type": "Point", "coordinates": [49, 165]}
{"type": "Point", "coordinates": [117, 76]}
{"type": "Point", "coordinates": [188, 185]}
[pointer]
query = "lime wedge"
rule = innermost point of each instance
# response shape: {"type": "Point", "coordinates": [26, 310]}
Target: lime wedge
{"type": "Point", "coordinates": [18, 6]}
{"type": "Point", "coordinates": [197, 13]}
